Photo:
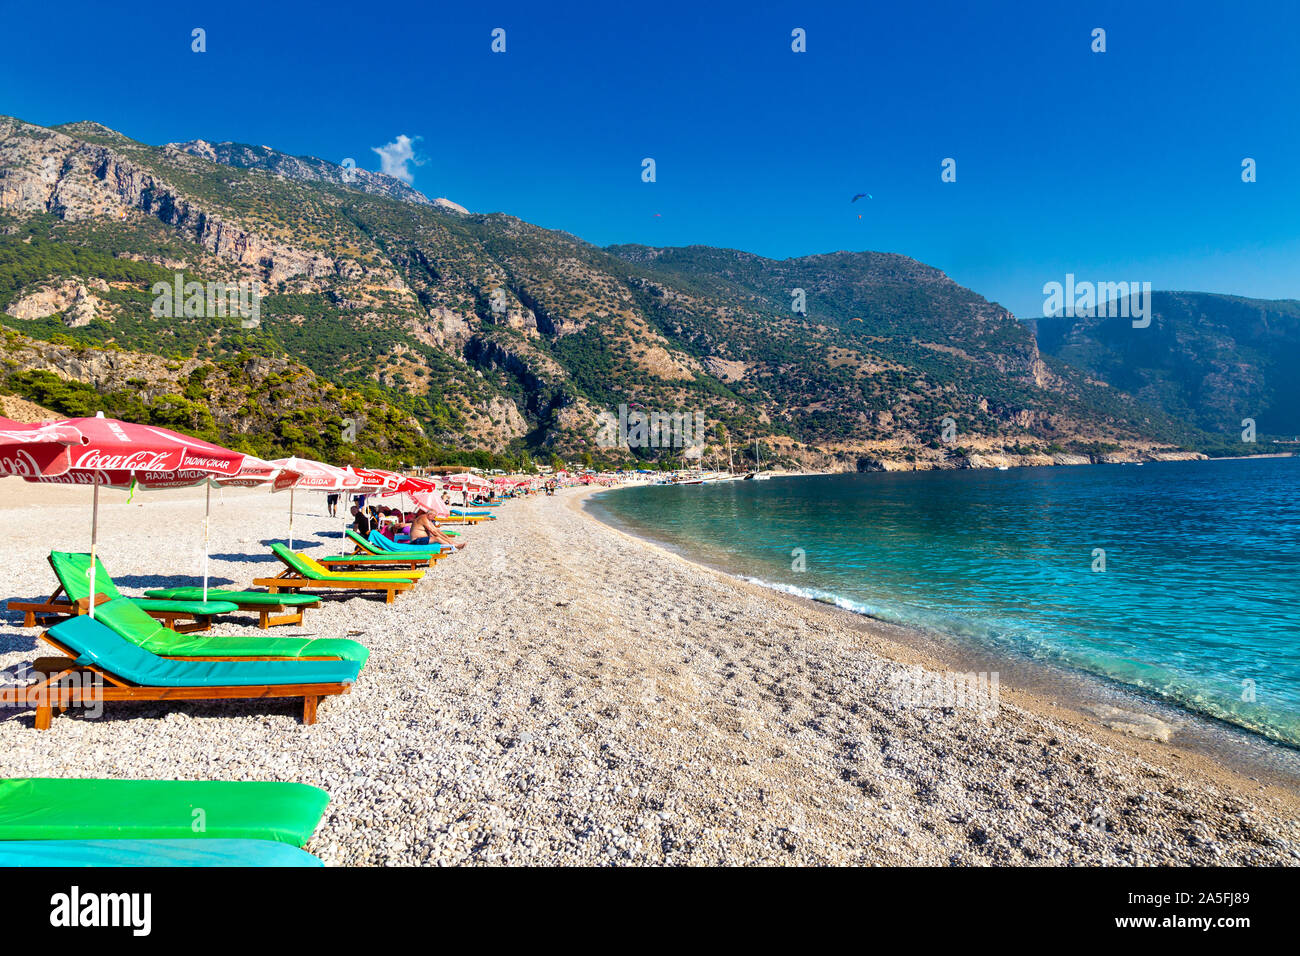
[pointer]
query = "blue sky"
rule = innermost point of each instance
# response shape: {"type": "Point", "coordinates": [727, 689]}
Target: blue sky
{"type": "Point", "coordinates": [1123, 165]}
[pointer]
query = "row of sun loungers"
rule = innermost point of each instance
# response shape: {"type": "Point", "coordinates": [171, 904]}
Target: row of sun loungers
{"type": "Point", "coordinates": [137, 649]}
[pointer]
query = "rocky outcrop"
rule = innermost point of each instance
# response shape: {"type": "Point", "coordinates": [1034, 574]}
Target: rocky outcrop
{"type": "Point", "coordinates": [71, 297]}
{"type": "Point", "coordinates": [21, 410]}
{"type": "Point", "coordinates": [306, 169]}
{"type": "Point", "coordinates": [46, 171]}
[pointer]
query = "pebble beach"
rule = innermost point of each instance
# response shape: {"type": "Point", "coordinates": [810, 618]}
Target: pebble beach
{"type": "Point", "coordinates": [561, 693]}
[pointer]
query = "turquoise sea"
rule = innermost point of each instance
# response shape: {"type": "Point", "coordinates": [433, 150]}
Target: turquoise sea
{"type": "Point", "coordinates": [1198, 603]}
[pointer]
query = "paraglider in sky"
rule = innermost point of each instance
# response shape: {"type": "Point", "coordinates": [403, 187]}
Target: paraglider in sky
{"type": "Point", "coordinates": [860, 196]}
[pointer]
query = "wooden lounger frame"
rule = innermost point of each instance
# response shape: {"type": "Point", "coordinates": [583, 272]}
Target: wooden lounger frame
{"type": "Point", "coordinates": [404, 564]}
{"type": "Point", "coordinates": [290, 580]}
{"type": "Point", "coordinates": [57, 607]}
{"type": "Point", "coordinates": [434, 556]}
{"type": "Point", "coordinates": [36, 613]}
{"type": "Point", "coordinates": [51, 691]}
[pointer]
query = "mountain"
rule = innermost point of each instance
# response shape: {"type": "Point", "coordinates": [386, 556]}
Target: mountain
{"type": "Point", "coordinates": [300, 168]}
{"type": "Point", "coordinates": [1212, 360]}
{"type": "Point", "coordinates": [493, 334]}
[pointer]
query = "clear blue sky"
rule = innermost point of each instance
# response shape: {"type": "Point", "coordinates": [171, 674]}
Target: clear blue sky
{"type": "Point", "coordinates": [1122, 165]}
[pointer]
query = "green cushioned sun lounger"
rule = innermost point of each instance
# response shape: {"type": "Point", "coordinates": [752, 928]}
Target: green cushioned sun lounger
{"type": "Point", "coordinates": [45, 808]}
{"type": "Point", "coordinates": [244, 599]}
{"type": "Point", "coordinates": [375, 548]}
{"type": "Point", "coordinates": [97, 645]}
{"type": "Point", "coordinates": [119, 853]}
{"type": "Point", "coordinates": [128, 621]}
{"type": "Point", "coordinates": [303, 569]}
{"type": "Point", "coordinates": [382, 542]}
{"type": "Point", "coordinates": [371, 560]}
{"type": "Point", "coordinates": [99, 665]}
{"type": "Point", "coordinates": [73, 571]}
{"type": "Point", "coordinates": [197, 607]}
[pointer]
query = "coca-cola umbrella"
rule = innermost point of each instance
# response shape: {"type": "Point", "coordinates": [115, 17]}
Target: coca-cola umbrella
{"type": "Point", "coordinates": [41, 449]}
{"type": "Point", "coordinates": [316, 476]}
{"type": "Point", "coordinates": [114, 454]}
{"type": "Point", "coordinates": [254, 473]}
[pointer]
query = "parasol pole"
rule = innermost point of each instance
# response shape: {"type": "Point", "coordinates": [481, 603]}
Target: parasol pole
{"type": "Point", "coordinates": [290, 518]}
{"type": "Point", "coordinates": [94, 541]}
{"type": "Point", "coordinates": [207, 514]}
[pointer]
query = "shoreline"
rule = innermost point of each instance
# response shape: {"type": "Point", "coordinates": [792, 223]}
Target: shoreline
{"type": "Point", "coordinates": [1042, 688]}
{"type": "Point", "coordinates": [998, 461]}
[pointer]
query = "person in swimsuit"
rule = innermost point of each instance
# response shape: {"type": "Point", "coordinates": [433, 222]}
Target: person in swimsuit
{"type": "Point", "coordinates": [424, 531]}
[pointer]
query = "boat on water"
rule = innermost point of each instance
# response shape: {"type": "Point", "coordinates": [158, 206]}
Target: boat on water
{"type": "Point", "coordinates": [757, 474]}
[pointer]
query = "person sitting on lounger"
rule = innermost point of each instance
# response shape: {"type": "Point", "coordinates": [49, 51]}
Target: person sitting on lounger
{"type": "Point", "coordinates": [360, 523]}
{"type": "Point", "coordinates": [424, 531]}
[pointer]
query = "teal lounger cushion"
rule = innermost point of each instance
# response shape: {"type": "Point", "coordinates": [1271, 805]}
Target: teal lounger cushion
{"type": "Point", "coordinates": [380, 540]}
{"type": "Point", "coordinates": [50, 808]}
{"type": "Point", "coordinates": [244, 599]}
{"type": "Point", "coordinates": [61, 853]}
{"type": "Point", "coordinates": [99, 645]}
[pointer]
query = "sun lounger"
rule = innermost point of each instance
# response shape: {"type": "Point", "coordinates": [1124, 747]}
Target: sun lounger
{"type": "Point", "coordinates": [462, 519]}
{"type": "Point", "coordinates": [263, 602]}
{"type": "Point", "coordinates": [129, 622]}
{"type": "Point", "coordinates": [385, 544]}
{"type": "Point", "coordinates": [374, 562]}
{"type": "Point", "coordinates": [374, 549]}
{"type": "Point", "coordinates": [119, 853]}
{"type": "Point", "coordinates": [302, 574]}
{"type": "Point", "coordinates": [53, 809]}
{"type": "Point", "coordinates": [363, 574]}
{"type": "Point", "coordinates": [99, 665]}
{"type": "Point", "coordinates": [73, 571]}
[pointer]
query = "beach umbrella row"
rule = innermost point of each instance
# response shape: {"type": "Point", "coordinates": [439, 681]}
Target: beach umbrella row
{"type": "Point", "coordinates": [103, 451]}
{"type": "Point", "coordinates": [106, 452]}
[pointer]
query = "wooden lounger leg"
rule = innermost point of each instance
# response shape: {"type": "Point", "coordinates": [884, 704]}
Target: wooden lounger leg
{"type": "Point", "coordinates": [263, 618]}
{"type": "Point", "coordinates": [390, 595]}
{"type": "Point", "coordinates": [309, 709]}
{"type": "Point", "coordinates": [44, 713]}
{"type": "Point", "coordinates": [286, 619]}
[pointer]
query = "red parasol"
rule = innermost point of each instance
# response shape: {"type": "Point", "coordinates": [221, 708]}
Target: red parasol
{"type": "Point", "coordinates": [109, 452]}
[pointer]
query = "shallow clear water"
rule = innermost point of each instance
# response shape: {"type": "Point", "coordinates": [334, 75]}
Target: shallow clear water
{"type": "Point", "coordinates": [1199, 601]}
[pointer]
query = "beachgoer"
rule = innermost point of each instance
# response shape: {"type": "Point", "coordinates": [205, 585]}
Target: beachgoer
{"type": "Point", "coordinates": [360, 522]}
{"type": "Point", "coordinates": [332, 502]}
{"type": "Point", "coordinates": [425, 531]}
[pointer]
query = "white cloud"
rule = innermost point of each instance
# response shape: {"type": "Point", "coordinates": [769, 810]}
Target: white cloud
{"type": "Point", "coordinates": [395, 157]}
